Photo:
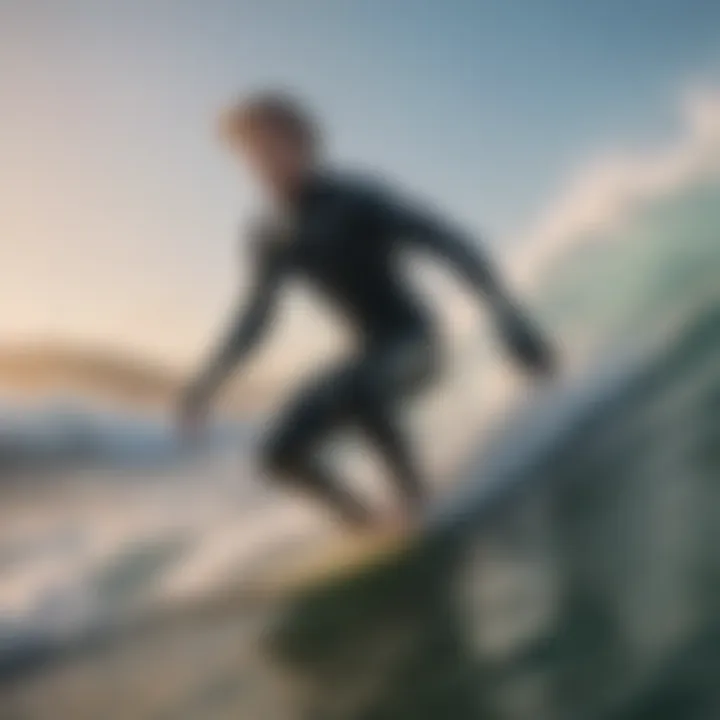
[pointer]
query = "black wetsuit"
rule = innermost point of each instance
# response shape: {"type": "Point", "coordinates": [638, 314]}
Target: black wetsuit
{"type": "Point", "coordinates": [345, 237]}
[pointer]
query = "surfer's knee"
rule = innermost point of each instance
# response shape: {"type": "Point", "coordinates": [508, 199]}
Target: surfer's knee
{"type": "Point", "coordinates": [281, 457]}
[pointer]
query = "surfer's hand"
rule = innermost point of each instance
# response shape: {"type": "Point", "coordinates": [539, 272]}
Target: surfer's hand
{"type": "Point", "coordinates": [527, 345]}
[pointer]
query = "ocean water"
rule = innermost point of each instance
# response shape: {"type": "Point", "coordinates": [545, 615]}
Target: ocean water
{"type": "Point", "coordinates": [576, 596]}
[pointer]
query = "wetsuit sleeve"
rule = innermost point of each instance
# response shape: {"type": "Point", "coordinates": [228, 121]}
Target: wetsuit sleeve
{"type": "Point", "coordinates": [405, 222]}
{"type": "Point", "coordinates": [249, 324]}
{"type": "Point", "coordinates": [402, 221]}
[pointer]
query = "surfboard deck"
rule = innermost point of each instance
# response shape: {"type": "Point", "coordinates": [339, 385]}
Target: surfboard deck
{"type": "Point", "coordinates": [338, 559]}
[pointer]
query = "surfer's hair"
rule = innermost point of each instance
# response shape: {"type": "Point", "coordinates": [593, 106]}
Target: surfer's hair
{"type": "Point", "coordinates": [276, 110]}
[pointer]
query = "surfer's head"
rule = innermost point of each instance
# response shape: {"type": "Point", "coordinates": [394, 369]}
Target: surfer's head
{"type": "Point", "coordinates": [276, 136]}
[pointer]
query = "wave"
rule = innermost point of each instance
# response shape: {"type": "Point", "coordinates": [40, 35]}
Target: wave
{"type": "Point", "coordinates": [644, 427]}
{"type": "Point", "coordinates": [598, 200]}
{"type": "Point", "coordinates": [65, 434]}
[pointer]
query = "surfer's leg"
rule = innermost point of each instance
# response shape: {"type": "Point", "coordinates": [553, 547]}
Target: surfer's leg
{"type": "Point", "coordinates": [384, 431]}
{"type": "Point", "coordinates": [314, 477]}
{"type": "Point", "coordinates": [387, 376]}
{"type": "Point", "coordinates": [291, 451]}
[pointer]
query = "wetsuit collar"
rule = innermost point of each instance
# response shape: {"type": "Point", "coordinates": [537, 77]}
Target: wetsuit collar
{"type": "Point", "coordinates": [312, 188]}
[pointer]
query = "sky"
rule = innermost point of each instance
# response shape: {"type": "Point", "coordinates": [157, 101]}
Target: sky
{"type": "Point", "coordinates": [120, 214]}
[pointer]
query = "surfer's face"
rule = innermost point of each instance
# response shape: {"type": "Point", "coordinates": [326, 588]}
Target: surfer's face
{"type": "Point", "coordinates": [279, 160]}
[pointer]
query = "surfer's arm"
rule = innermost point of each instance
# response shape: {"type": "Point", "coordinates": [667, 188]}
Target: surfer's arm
{"type": "Point", "coordinates": [430, 232]}
{"type": "Point", "coordinates": [246, 330]}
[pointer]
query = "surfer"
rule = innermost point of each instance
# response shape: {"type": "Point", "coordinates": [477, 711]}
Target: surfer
{"type": "Point", "coordinates": [345, 235]}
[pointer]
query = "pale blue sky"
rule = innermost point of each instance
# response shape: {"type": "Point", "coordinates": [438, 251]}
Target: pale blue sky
{"type": "Point", "coordinates": [118, 210]}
